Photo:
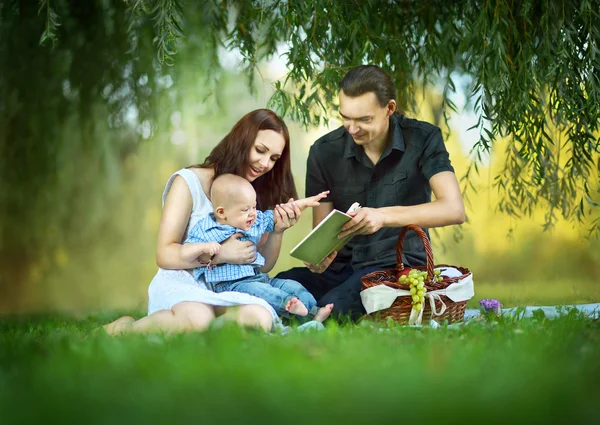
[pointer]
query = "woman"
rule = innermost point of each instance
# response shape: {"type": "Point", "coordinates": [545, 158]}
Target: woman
{"type": "Point", "coordinates": [258, 149]}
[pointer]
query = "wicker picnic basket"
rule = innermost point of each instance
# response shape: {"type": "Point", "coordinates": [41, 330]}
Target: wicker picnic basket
{"type": "Point", "coordinates": [401, 308]}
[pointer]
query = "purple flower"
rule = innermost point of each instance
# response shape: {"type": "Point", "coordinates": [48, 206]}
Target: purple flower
{"type": "Point", "coordinates": [490, 305]}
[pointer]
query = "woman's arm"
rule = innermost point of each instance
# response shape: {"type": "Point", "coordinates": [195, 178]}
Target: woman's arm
{"type": "Point", "coordinates": [175, 217]}
{"type": "Point", "coordinates": [270, 249]}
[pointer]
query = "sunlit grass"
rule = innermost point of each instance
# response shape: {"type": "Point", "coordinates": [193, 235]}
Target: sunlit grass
{"type": "Point", "coordinates": [53, 370]}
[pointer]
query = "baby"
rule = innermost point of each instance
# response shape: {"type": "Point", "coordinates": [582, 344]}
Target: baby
{"type": "Point", "coordinates": [234, 211]}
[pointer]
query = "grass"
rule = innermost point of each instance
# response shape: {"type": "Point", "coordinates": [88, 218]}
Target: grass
{"type": "Point", "coordinates": [532, 370]}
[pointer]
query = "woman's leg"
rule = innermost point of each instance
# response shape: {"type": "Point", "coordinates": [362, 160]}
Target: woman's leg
{"type": "Point", "coordinates": [183, 317]}
{"type": "Point", "coordinates": [250, 315]}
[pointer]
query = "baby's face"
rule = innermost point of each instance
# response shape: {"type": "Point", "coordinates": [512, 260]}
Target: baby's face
{"type": "Point", "coordinates": [241, 211]}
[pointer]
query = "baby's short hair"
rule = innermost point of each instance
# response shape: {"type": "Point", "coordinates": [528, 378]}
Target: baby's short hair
{"type": "Point", "coordinates": [226, 188]}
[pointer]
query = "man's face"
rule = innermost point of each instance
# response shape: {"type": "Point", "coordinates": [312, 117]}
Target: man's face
{"type": "Point", "coordinates": [241, 211]}
{"type": "Point", "coordinates": [364, 118]}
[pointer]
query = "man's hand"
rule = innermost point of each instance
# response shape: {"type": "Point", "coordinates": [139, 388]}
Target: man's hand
{"type": "Point", "coordinates": [322, 266]}
{"type": "Point", "coordinates": [365, 221]}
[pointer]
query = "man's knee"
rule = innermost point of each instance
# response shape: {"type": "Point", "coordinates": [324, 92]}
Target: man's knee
{"type": "Point", "coordinates": [298, 274]}
{"type": "Point", "coordinates": [346, 302]}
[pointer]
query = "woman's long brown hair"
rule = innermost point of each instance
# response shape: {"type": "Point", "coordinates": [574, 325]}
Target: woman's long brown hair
{"type": "Point", "coordinates": [232, 153]}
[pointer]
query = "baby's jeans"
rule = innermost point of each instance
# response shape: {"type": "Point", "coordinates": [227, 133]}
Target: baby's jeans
{"type": "Point", "coordinates": [277, 292]}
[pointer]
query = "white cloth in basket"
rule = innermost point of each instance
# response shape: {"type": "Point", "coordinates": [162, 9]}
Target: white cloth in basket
{"type": "Point", "coordinates": [382, 296]}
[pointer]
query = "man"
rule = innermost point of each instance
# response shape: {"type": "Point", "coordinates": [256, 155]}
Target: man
{"type": "Point", "coordinates": [388, 163]}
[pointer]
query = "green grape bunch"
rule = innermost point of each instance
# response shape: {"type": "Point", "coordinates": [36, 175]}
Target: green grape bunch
{"type": "Point", "coordinates": [416, 281]}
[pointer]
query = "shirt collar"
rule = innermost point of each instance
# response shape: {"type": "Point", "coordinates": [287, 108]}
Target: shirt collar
{"type": "Point", "coordinates": [352, 149]}
{"type": "Point", "coordinates": [396, 133]}
{"type": "Point", "coordinates": [212, 223]}
{"type": "Point", "coordinates": [356, 151]}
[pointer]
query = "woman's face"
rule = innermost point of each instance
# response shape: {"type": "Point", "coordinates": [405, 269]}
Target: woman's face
{"type": "Point", "coordinates": [267, 149]}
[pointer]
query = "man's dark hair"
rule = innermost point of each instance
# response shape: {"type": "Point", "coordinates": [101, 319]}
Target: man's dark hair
{"type": "Point", "coordinates": [369, 78]}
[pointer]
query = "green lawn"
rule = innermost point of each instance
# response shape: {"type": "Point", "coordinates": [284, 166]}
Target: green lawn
{"type": "Point", "coordinates": [52, 370]}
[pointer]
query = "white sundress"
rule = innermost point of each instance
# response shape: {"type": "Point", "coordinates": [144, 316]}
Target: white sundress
{"type": "Point", "coordinates": [170, 287]}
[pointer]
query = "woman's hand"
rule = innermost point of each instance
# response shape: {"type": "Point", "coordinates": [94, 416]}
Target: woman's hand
{"type": "Point", "coordinates": [234, 251]}
{"type": "Point", "coordinates": [286, 215]}
{"type": "Point", "coordinates": [322, 266]}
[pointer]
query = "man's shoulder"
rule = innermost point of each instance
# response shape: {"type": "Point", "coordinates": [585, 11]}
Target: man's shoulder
{"type": "Point", "coordinates": [335, 138]}
{"type": "Point", "coordinates": [415, 125]}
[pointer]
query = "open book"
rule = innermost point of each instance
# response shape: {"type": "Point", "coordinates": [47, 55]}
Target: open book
{"type": "Point", "coordinates": [323, 240]}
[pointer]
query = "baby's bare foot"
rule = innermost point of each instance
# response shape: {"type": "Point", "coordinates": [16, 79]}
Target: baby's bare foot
{"type": "Point", "coordinates": [114, 328]}
{"type": "Point", "coordinates": [295, 306]}
{"type": "Point", "coordinates": [323, 313]}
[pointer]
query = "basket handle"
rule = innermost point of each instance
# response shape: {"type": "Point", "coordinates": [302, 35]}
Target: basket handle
{"type": "Point", "coordinates": [423, 236]}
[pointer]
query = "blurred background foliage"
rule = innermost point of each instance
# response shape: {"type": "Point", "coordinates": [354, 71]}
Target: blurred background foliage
{"type": "Point", "coordinates": [101, 101]}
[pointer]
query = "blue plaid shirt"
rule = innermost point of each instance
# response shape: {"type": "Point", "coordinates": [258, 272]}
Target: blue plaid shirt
{"type": "Point", "coordinates": [209, 230]}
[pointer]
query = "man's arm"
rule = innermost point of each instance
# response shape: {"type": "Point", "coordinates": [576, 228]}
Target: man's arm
{"type": "Point", "coordinates": [447, 208]}
{"type": "Point", "coordinates": [321, 211]}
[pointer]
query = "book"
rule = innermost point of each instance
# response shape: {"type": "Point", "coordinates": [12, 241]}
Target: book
{"type": "Point", "coordinates": [323, 240]}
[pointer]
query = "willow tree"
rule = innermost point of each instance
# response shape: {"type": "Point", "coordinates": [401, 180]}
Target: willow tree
{"type": "Point", "coordinates": [80, 86]}
{"type": "Point", "coordinates": [68, 68]}
{"type": "Point", "coordinates": [534, 68]}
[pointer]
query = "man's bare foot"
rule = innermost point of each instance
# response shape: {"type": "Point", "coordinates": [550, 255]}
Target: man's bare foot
{"type": "Point", "coordinates": [116, 327]}
{"type": "Point", "coordinates": [323, 313]}
{"type": "Point", "coordinates": [295, 306]}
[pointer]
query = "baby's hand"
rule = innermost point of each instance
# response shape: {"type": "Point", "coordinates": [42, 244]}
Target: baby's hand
{"type": "Point", "coordinates": [193, 251]}
{"type": "Point", "coordinates": [312, 201]}
{"type": "Point", "coordinates": [211, 248]}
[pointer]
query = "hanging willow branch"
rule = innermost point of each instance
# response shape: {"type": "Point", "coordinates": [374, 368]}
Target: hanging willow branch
{"type": "Point", "coordinates": [534, 68]}
{"type": "Point", "coordinates": [167, 15]}
{"type": "Point", "coordinates": [52, 22]}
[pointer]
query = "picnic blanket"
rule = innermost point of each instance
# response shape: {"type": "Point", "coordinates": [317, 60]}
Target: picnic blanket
{"type": "Point", "coordinates": [590, 310]}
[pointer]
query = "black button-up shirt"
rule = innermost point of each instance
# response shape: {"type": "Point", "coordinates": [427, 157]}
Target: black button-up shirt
{"type": "Point", "coordinates": [415, 152]}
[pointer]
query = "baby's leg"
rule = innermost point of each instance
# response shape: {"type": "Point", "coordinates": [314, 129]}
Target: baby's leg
{"type": "Point", "coordinates": [297, 307]}
{"type": "Point", "coordinates": [323, 313]}
{"type": "Point", "coordinates": [283, 302]}
{"type": "Point", "coordinates": [295, 288]}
